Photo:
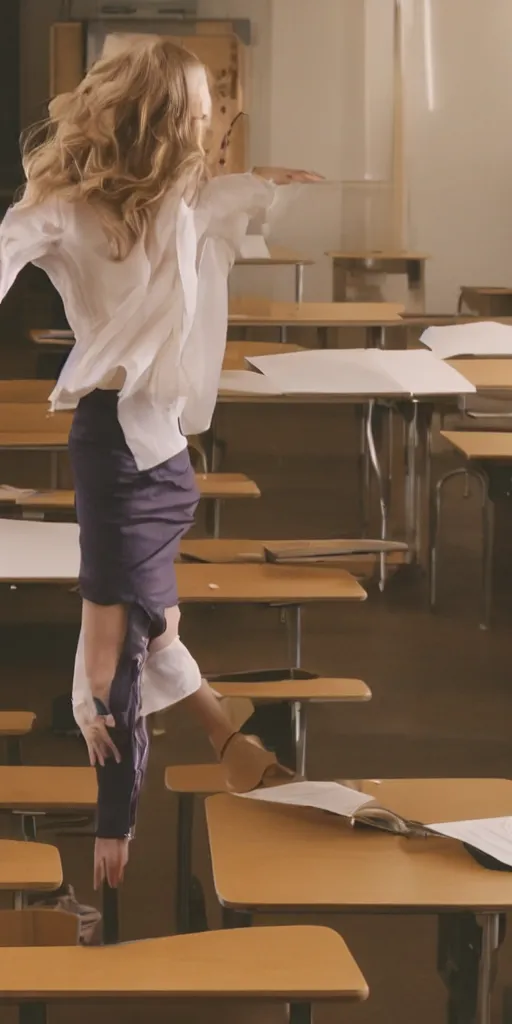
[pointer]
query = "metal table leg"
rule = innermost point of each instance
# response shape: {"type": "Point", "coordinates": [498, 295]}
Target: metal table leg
{"type": "Point", "coordinates": [283, 334]}
{"type": "Point", "coordinates": [216, 518]}
{"type": "Point", "coordinates": [300, 723]}
{"type": "Point", "coordinates": [235, 918]}
{"type": "Point", "coordinates": [294, 626]}
{"type": "Point", "coordinates": [411, 482]}
{"type": "Point", "coordinates": [489, 947]}
{"type": "Point", "coordinates": [383, 495]}
{"type": "Point", "coordinates": [300, 1013]}
{"type": "Point", "coordinates": [110, 915]}
{"type": "Point", "coordinates": [184, 861]}
{"type": "Point", "coordinates": [299, 282]}
{"type": "Point", "coordinates": [32, 1013]}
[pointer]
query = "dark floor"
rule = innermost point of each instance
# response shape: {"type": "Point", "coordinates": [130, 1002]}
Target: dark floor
{"type": "Point", "coordinates": [442, 699]}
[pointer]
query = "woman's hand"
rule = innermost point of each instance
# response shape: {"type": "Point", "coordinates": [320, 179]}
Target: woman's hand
{"type": "Point", "coordinates": [286, 176]}
{"type": "Point", "coordinates": [99, 744]}
{"type": "Point", "coordinates": [110, 860]}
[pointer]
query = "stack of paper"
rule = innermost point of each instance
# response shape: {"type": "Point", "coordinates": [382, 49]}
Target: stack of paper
{"type": "Point", "coordinates": [479, 339]}
{"type": "Point", "coordinates": [363, 372]}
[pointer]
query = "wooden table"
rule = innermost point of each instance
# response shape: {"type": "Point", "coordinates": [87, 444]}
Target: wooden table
{"type": "Point", "coordinates": [292, 965]}
{"type": "Point", "coordinates": [272, 859]}
{"type": "Point", "coordinates": [191, 780]}
{"type": "Point", "coordinates": [256, 312]}
{"type": "Point", "coordinates": [23, 391]}
{"type": "Point", "coordinates": [216, 487]}
{"type": "Point", "coordinates": [238, 351]}
{"type": "Point", "coordinates": [486, 374]}
{"type": "Point", "coordinates": [349, 267]}
{"type": "Point", "coordinates": [485, 301]}
{"type": "Point", "coordinates": [281, 257]}
{"type": "Point", "coordinates": [360, 555]}
{"type": "Point", "coordinates": [29, 426]}
{"type": "Point", "coordinates": [28, 867]}
{"type": "Point", "coordinates": [481, 444]}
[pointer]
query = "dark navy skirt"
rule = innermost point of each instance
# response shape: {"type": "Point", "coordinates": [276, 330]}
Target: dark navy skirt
{"type": "Point", "coordinates": [131, 521]}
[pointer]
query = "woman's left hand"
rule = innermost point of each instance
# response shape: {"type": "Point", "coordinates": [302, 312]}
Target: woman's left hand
{"type": "Point", "coordinates": [287, 176]}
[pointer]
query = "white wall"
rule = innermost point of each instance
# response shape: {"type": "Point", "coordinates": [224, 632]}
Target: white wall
{"type": "Point", "coordinates": [320, 84]}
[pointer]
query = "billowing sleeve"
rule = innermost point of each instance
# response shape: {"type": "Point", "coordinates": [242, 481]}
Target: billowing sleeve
{"type": "Point", "coordinates": [228, 203]}
{"type": "Point", "coordinates": [26, 235]}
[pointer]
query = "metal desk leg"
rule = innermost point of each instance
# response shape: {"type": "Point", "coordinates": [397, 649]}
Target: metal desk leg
{"type": "Point", "coordinates": [365, 474]}
{"type": "Point", "coordinates": [32, 1013]}
{"type": "Point", "coordinates": [54, 470]}
{"type": "Point", "coordinates": [235, 918]}
{"type": "Point", "coordinates": [300, 730]}
{"type": "Point", "coordinates": [299, 282]}
{"type": "Point", "coordinates": [383, 496]}
{"type": "Point", "coordinates": [375, 336]}
{"type": "Point", "coordinates": [411, 483]}
{"type": "Point", "coordinates": [300, 1013]}
{"type": "Point", "coordinates": [294, 626]}
{"type": "Point", "coordinates": [184, 861]}
{"type": "Point", "coordinates": [487, 553]}
{"type": "Point", "coordinates": [283, 334]}
{"type": "Point", "coordinates": [18, 900]}
{"type": "Point", "coordinates": [110, 915]}
{"type": "Point", "coordinates": [322, 335]}
{"type": "Point", "coordinates": [216, 518]}
{"type": "Point", "coordinates": [489, 947]}
{"type": "Point", "coordinates": [14, 750]}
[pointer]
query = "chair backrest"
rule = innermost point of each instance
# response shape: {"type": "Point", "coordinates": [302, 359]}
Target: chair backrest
{"type": "Point", "coordinates": [38, 927]}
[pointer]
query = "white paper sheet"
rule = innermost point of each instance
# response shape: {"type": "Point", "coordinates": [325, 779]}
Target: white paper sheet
{"type": "Point", "coordinates": [329, 372]}
{"type": "Point", "coordinates": [420, 372]}
{"type": "Point", "coordinates": [366, 372]}
{"type": "Point", "coordinates": [38, 551]}
{"type": "Point", "coordinates": [490, 835]}
{"type": "Point", "coordinates": [8, 493]}
{"type": "Point", "coordinates": [254, 247]}
{"type": "Point", "coordinates": [480, 339]}
{"type": "Point", "coordinates": [325, 796]}
{"type": "Point", "coordinates": [246, 382]}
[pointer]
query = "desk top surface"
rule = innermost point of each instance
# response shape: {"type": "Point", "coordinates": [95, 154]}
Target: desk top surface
{"type": "Point", "coordinates": [480, 444]}
{"type": "Point", "coordinates": [486, 374]}
{"type": "Point", "coordinates": [49, 552]}
{"type": "Point", "coordinates": [316, 314]}
{"type": "Point", "coordinates": [377, 254]}
{"type": "Point", "coordinates": [279, 256]}
{"type": "Point", "coordinates": [274, 857]}
{"type": "Point", "coordinates": [47, 787]}
{"type": "Point", "coordinates": [26, 866]}
{"type": "Point", "coordinates": [298, 963]}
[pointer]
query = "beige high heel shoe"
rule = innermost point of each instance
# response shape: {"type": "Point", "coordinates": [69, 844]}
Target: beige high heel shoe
{"type": "Point", "coordinates": [247, 764]}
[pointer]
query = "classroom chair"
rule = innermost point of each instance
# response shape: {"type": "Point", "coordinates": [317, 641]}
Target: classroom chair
{"type": "Point", "coordinates": [295, 966]}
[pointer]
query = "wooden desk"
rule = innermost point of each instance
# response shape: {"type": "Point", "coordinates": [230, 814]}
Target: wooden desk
{"type": "Point", "coordinates": [481, 444]}
{"type": "Point", "coordinates": [24, 391]}
{"type": "Point", "coordinates": [238, 351]}
{"type": "Point", "coordinates": [297, 965]}
{"type": "Point", "coordinates": [256, 312]}
{"type": "Point", "coordinates": [350, 267]}
{"type": "Point", "coordinates": [272, 859]}
{"type": "Point", "coordinates": [486, 374]}
{"type": "Point", "coordinates": [26, 867]}
{"type": "Point", "coordinates": [191, 780]}
{"type": "Point", "coordinates": [486, 301]}
{"type": "Point", "coordinates": [238, 550]}
{"type": "Point", "coordinates": [281, 257]}
{"type": "Point", "coordinates": [212, 487]}
{"type": "Point", "coordinates": [47, 788]}
{"type": "Point", "coordinates": [265, 584]}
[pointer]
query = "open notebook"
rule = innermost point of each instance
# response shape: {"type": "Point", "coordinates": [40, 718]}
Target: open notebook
{"type": "Point", "coordinates": [490, 836]}
{"type": "Point", "coordinates": [480, 339]}
{"type": "Point", "coordinates": [364, 372]}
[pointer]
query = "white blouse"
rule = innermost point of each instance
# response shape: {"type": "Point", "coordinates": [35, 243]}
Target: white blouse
{"type": "Point", "coordinates": [156, 320]}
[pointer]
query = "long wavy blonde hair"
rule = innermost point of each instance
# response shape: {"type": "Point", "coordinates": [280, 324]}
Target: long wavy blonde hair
{"type": "Point", "coordinates": [125, 136]}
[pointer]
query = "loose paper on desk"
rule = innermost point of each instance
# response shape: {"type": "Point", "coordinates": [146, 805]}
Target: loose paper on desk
{"type": "Point", "coordinates": [365, 372]}
{"type": "Point", "coordinates": [490, 835]}
{"type": "Point", "coordinates": [245, 382]}
{"type": "Point", "coordinates": [480, 339]}
{"type": "Point", "coordinates": [325, 796]}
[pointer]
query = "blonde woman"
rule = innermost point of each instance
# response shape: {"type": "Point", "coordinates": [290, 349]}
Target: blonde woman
{"type": "Point", "coordinates": [120, 212]}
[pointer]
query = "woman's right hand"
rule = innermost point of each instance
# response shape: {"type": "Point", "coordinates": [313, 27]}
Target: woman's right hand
{"type": "Point", "coordinates": [100, 745]}
{"type": "Point", "coordinates": [110, 860]}
{"type": "Point", "coordinates": [287, 176]}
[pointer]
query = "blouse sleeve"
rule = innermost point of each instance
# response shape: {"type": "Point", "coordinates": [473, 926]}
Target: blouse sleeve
{"type": "Point", "coordinates": [228, 203]}
{"type": "Point", "coordinates": [26, 235]}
